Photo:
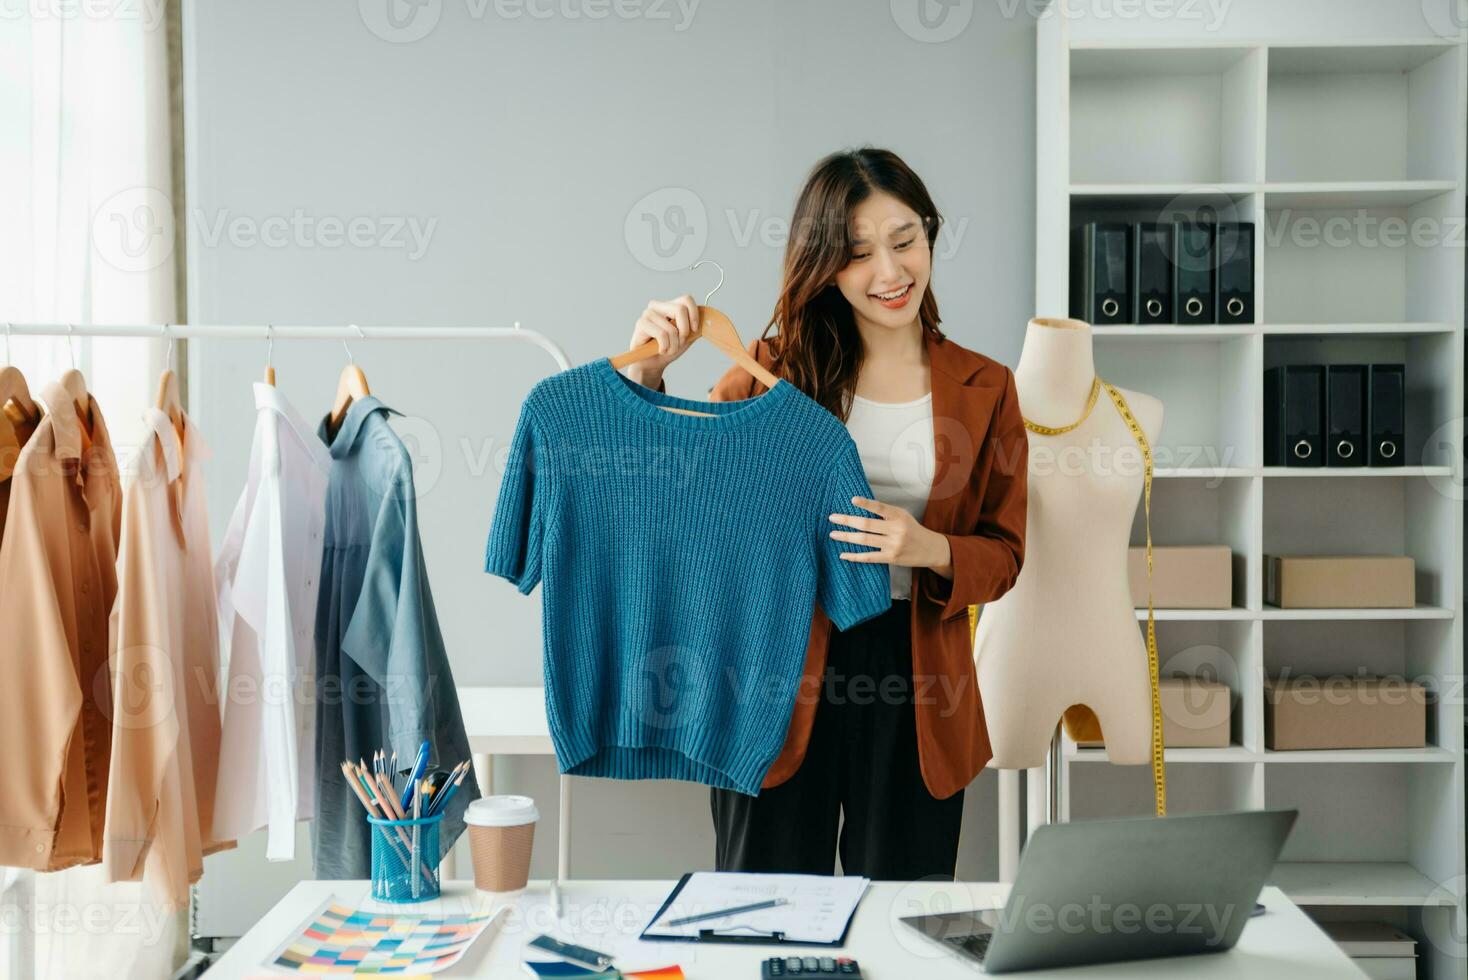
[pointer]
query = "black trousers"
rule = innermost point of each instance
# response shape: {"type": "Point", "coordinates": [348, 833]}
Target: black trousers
{"type": "Point", "coordinates": [861, 763]}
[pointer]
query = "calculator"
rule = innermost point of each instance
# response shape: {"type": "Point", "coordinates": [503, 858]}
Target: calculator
{"type": "Point", "coordinates": [810, 968]}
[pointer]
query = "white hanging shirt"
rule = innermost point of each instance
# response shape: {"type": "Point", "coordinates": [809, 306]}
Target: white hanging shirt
{"type": "Point", "coordinates": [895, 440]}
{"type": "Point", "coordinates": [267, 574]}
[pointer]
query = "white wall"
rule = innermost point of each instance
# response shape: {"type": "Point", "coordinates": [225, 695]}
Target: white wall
{"type": "Point", "coordinates": [526, 147]}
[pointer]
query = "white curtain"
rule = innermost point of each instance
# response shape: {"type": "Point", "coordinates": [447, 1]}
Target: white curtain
{"type": "Point", "coordinates": [86, 236]}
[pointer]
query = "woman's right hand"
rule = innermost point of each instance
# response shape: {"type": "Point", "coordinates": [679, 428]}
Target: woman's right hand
{"type": "Point", "coordinates": [670, 322]}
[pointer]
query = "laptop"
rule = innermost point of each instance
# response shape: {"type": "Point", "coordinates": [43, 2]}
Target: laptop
{"type": "Point", "coordinates": [1099, 891]}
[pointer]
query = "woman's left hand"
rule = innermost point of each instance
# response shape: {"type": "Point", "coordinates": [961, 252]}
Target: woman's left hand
{"type": "Point", "coordinates": [897, 536]}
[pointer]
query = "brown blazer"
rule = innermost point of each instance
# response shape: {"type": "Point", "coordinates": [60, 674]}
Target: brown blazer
{"type": "Point", "coordinates": [978, 503]}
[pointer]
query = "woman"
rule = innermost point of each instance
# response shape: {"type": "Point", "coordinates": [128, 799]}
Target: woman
{"type": "Point", "coordinates": [887, 728]}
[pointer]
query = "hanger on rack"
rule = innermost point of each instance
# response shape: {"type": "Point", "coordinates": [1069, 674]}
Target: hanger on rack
{"type": "Point", "coordinates": [719, 330]}
{"type": "Point", "coordinates": [351, 386]}
{"type": "Point", "coordinates": [168, 401]}
{"type": "Point", "coordinates": [269, 355]}
{"type": "Point", "coordinates": [12, 384]}
{"type": "Point", "coordinates": [75, 384]}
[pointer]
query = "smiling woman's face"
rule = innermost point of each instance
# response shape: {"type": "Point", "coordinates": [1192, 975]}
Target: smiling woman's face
{"type": "Point", "coordinates": [890, 262]}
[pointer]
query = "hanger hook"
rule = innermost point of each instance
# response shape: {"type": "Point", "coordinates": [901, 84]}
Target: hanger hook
{"type": "Point", "coordinates": [360, 334]}
{"type": "Point", "coordinates": [70, 349]}
{"type": "Point", "coordinates": [167, 355]}
{"type": "Point", "coordinates": [721, 278]}
{"type": "Point", "coordinates": [269, 344]}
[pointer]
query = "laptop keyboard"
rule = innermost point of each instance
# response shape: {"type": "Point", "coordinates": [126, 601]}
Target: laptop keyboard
{"type": "Point", "coordinates": [976, 944]}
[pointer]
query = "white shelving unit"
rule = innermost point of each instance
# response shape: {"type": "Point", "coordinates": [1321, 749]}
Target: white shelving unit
{"type": "Point", "coordinates": [1304, 133]}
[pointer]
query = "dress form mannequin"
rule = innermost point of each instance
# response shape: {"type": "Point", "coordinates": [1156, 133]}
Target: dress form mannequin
{"type": "Point", "coordinates": [1067, 633]}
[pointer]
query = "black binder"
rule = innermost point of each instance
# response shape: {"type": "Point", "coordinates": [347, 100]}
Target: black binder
{"type": "Point", "coordinates": [1151, 272]}
{"type": "Point", "coordinates": [1294, 415]}
{"type": "Point", "coordinates": [1233, 251]}
{"type": "Point", "coordinates": [1387, 414]}
{"type": "Point", "coordinates": [1192, 271]}
{"type": "Point", "coordinates": [709, 936]}
{"type": "Point", "coordinates": [1345, 415]}
{"type": "Point", "coordinates": [1099, 273]}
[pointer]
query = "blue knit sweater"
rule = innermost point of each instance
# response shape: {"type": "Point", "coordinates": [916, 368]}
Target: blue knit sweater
{"type": "Point", "coordinates": [682, 556]}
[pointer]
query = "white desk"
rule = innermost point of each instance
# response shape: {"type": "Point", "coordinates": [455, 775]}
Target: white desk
{"type": "Point", "coordinates": [608, 915]}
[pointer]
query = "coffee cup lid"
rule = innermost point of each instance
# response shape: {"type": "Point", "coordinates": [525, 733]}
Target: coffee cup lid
{"type": "Point", "coordinates": [501, 811]}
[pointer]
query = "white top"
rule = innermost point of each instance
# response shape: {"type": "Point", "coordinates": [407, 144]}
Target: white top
{"type": "Point", "coordinates": [895, 440]}
{"type": "Point", "coordinates": [267, 576]}
{"type": "Point", "coordinates": [1282, 942]}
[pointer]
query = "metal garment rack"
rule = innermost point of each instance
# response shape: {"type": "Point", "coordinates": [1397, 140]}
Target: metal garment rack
{"type": "Point", "coordinates": [270, 331]}
{"type": "Point", "coordinates": [350, 332]}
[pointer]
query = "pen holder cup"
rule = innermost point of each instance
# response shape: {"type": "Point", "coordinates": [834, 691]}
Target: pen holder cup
{"type": "Point", "coordinates": [405, 859]}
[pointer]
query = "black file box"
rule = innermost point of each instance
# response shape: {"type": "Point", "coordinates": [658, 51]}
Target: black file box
{"type": "Point", "coordinates": [1387, 414]}
{"type": "Point", "coordinates": [1151, 272]}
{"type": "Point", "coordinates": [1345, 415]}
{"type": "Point", "coordinates": [1192, 272]}
{"type": "Point", "coordinates": [1294, 415]}
{"type": "Point", "coordinates": [1233, 252]}
{"type": "Point", "coordinates": [1099, 273]}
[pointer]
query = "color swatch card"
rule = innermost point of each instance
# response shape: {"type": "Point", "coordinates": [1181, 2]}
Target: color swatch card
{"type": "Point", "coordinates": [338, 939]}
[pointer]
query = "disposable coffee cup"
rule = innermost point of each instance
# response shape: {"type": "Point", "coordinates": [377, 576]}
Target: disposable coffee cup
{"type": "Point", "coordinates": [501, 830]}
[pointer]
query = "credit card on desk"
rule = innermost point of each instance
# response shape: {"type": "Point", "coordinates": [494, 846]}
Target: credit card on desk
{"type": "Point", "coordinates": [570, 971]}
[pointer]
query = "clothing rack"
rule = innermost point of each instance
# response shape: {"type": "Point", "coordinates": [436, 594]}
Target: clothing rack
{"type": "Point", "coordinates": [270, 332]}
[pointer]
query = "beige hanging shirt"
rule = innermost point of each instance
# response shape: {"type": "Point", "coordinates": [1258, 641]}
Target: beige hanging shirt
{"type": "Point", "coordinates": [57, 582]}
{"type": "Point", "coordinates": [165, 661]}
{"type": "Point", "coordinates": [16, 430]}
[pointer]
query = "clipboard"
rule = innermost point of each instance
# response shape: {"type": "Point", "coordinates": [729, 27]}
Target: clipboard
{"type": "Point", "coordinates": [747, 938]}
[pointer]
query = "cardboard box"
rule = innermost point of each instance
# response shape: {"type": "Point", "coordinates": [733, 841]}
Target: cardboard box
{"type": "Point", "coordinates": [1344, 713]}
{"type": "Point", "coordinates": [1340, 581]}
{"type": "Point", "coordinates": [1183, 577]}
{"type": "Point", "coordinates": [1195, 714]}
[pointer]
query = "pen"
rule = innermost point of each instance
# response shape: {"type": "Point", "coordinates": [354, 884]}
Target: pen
{"type": "Point", "coordinates": [442, 800]}
{"type": "Point", "coordinates": [767, 904]}
{"type": "Point", "coordinates": [419, 765]}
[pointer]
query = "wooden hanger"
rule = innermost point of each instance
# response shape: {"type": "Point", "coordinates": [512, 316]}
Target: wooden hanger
{"type": "Point", "coordinates": [351, 386]}
{"type": "Point", "coordinates": [168, 401]}
{"type": "Point", "coordinates": [719, 330]}
{"type": "Point", "coordinates": [76, 385]}
{"type": "Point", "coordinates": [12, 384]}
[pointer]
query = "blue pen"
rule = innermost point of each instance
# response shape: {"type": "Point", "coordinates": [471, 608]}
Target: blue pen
{"type": "Point", "coordinates": [442, 799]}
{"type": "Point", "coordinates": [417, 774]}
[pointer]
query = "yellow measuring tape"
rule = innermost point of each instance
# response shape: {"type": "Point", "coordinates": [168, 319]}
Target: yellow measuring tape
{"type": "Point", "coordinates": [1159, 770]}
{"type": "Point", "coordinates": [1080, 721]}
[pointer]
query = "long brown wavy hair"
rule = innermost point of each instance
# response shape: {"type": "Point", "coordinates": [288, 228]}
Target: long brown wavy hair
{"type": "Point", "coordinates": [819, 349]}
